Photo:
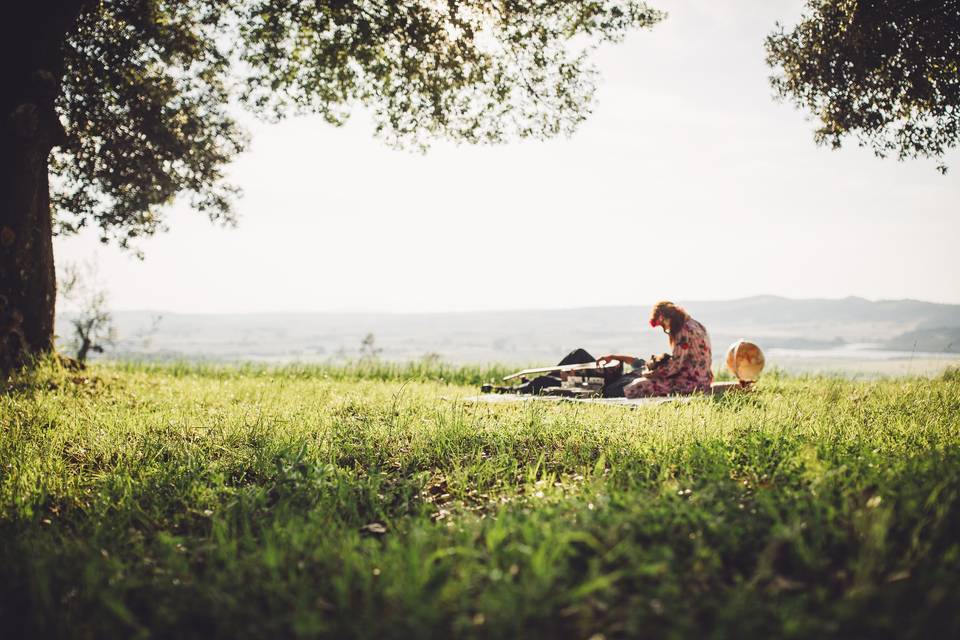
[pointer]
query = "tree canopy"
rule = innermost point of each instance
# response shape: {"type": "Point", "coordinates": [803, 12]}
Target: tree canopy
{"type": "Point", "coordinates": [149, 85]}
{"type": "Point", "coordinates": [885, 72]}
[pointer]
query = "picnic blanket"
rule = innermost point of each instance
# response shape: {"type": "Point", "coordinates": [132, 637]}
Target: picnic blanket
{"type": "Point", "coordinates": [718, 389]}
{"type": "Point", "coordinates": [507, 398]}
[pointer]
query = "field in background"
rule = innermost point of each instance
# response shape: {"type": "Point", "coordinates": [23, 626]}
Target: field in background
{"type": "Point", "coordinates": [370, 501]}
{"type": "Point", "coordinates": [852, 337]}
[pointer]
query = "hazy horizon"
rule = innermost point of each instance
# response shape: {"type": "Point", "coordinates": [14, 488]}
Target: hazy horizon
{"type": "Point", "coordinates": [640, 304]}
{"type": "Point", "coordinates": [852, 335]}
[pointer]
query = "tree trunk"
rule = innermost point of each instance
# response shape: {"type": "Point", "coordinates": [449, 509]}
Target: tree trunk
{"type": "Point", "coordinates": [27, 279]}
{"type": "Point", "coordinates": [31, 62]}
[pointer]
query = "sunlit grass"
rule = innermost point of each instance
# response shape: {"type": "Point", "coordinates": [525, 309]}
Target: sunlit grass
{"type": "Point", "coordinates": [371, 501]}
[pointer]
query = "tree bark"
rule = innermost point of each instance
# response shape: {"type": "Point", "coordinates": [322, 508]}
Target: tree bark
{"type": "Point", "coordinates": [31, 65]}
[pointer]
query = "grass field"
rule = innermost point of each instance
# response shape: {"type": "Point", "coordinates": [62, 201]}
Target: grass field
{"type": "Point", "coordinates": [369, 501]}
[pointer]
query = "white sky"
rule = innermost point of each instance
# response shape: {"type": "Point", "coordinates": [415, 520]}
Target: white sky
{"type": "Point", "coordinates": [688, 182]}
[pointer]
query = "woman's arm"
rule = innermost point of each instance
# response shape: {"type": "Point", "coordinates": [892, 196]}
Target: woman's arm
{"type": "Point", "coordinates": [671, 367]}
{"type": "Point", "coordinates": [677, 359]}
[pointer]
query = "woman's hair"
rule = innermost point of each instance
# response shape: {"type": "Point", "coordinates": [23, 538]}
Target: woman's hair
{"type": "Point", "coordinates": [673, 315]}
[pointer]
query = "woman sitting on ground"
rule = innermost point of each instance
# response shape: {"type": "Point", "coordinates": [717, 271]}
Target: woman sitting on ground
{"type": "Point", "coordinates": [689, 368]}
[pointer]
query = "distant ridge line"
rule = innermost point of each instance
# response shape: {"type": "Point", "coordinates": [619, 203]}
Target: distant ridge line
{"type": "Point", "coordinates": [759, 298]}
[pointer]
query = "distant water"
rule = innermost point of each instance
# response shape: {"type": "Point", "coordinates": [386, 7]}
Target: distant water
{"type": "Point", "coordinates": [861, 351]}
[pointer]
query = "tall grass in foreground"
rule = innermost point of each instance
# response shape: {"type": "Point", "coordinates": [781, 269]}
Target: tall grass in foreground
{"type": "Point", "coordinates": [371, 369]}
{"type": "Point", "coordinates": [192, 501]}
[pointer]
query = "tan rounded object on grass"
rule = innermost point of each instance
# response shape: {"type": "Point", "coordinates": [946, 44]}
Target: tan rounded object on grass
{"type": "Point", "coordinates": [745, 360]}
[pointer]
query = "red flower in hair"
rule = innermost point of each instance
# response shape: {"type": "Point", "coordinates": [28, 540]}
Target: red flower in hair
{"type": "Point", "coordinates": [653, 323]}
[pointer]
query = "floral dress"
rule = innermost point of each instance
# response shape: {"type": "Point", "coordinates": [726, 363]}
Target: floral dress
{"type": "Point", "coordinates": [688, 371]}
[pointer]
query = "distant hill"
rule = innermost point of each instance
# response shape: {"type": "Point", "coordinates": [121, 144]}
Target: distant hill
{"type": "Point", "coordinates": [535, 335]}
{"type": "Point", "coordinates": [940, 339]}
{"type": "Point", "coordinates": [889, 324]}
